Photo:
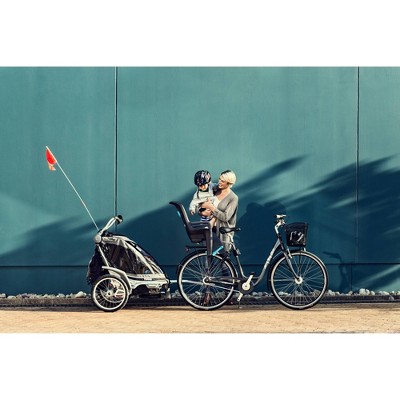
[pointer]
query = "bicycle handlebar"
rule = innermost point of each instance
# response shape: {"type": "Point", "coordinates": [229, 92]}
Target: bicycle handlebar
{"type": "Point", "coordinates": [114, 220]}
{"type": "Point", "coordinates": [280, 221]}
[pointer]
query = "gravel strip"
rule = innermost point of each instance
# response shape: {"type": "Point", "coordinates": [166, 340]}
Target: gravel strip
{"type": "Point", "coordinates": [82, 299]}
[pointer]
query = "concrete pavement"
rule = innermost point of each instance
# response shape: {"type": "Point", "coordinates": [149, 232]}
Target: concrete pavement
{"type": "Point", "coordinates": [270, 318]}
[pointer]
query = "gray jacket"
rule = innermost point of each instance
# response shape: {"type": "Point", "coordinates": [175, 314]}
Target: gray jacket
{"type": "Point", "coordinates": [226, 214]}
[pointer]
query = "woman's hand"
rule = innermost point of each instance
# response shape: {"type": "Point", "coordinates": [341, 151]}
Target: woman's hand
{"type": "Point", "coordinates": [206, 212]}
{"type": "Point", "coordinates": [207, 204]}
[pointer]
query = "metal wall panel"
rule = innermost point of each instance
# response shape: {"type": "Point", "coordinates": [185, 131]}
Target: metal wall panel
{"type": "Point", "coordinates": [288, 133]}
{"type": "Point", "coordinates": [72, 111]}
{"type": "Point", "coordinates": [379, 170]}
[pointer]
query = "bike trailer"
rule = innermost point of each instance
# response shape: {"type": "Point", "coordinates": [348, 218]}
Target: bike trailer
{"type": "Point", "coordinates": [126, 255]}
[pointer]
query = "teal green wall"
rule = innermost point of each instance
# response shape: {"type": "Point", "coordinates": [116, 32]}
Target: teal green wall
{"type": "Point", "coordinates": [42, 222]}
{"type": "Point", "coordinates": [316, 143]}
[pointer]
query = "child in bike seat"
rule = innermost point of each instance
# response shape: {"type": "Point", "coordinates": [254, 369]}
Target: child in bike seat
{"type": "Point", "coordinates": [204, 192]}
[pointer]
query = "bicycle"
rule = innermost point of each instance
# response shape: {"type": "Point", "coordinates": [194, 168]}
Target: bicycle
{"type": "Point", "coordinates": [298, 278]}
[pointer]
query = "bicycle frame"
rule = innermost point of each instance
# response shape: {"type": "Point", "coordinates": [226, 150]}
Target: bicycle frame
{"type": "Point", "coordinates": [278, 248]}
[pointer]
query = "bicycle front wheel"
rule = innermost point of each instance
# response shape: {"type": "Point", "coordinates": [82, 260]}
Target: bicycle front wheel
{"type": "Point", "coordinates": [206, 286]}
{"type": "Point", "coordinates": [306, 288]}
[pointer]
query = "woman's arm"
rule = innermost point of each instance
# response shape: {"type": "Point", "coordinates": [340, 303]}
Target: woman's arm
{"type": "Point", "coordinates": [227, 212]}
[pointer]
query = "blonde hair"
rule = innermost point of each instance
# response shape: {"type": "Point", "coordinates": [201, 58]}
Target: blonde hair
{"type": "Point", "coordinates": [228, 176]}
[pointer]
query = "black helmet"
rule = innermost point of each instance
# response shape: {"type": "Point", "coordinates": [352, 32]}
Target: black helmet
{"type": "Point", "coordinates": [202, 177]}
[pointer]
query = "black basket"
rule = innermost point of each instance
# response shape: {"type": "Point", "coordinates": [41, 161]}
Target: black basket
{"type": "Point", "coordinates": [296, 234]}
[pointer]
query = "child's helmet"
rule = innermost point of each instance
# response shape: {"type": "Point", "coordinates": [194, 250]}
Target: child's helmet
{"type": "Point", "coordinates": [202, 177]}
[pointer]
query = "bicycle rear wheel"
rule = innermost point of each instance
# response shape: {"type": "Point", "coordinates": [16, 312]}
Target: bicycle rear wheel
{"type": "Point", "coordinates": [306, 290]}
{"type": "Point", "coordinates": [203, 286]}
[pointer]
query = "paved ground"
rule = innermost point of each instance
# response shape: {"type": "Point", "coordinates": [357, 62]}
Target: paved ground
{"type": "Point", "coordinates": [323, 318]}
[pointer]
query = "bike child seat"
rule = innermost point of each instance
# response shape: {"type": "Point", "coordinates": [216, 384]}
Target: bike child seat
{"type": "Point", "coordinates": [197, 231]}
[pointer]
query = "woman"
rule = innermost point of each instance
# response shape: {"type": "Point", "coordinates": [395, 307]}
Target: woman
{"type": "Point", "coordinates": [224, 206]}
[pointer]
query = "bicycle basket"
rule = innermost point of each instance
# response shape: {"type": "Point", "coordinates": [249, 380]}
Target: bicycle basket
{"type": "Point", "coordinates": [296, 234]}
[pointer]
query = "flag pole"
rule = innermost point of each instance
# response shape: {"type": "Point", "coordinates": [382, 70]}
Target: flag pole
{"type": "Point", "coordinates": [80, 198]}
{"type": "Point", "coordinates": [73, 187]}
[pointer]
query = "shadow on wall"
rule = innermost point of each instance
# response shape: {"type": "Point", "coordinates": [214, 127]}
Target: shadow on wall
{"type": "Point", "coordinates": [60, 243]}
{"type": "Point", "coordinates": [165, 237]}
{"type": "Point", "coordinates": [336, 234]}
{"type": "Point", "coordinates": [362, 230]}
{"type": "Point", "coordinates": [343, 231]}
{"type": "Point", "coordinates": [44, 260]}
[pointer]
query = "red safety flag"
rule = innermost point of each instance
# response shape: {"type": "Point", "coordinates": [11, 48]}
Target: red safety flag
{"type": "Point", "coordinates": [51, 160]}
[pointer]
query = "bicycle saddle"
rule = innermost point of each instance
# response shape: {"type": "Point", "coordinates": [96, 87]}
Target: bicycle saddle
{"type": "Point", "coordinates": [225, 229]}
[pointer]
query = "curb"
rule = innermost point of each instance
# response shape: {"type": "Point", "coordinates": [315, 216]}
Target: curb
{"type": "Point", "coordinates": [178, 301]}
